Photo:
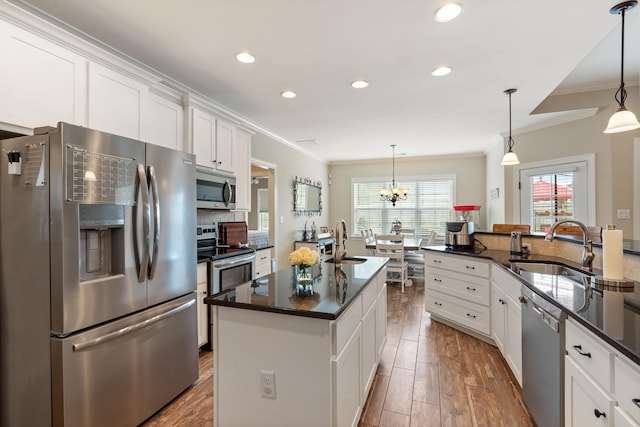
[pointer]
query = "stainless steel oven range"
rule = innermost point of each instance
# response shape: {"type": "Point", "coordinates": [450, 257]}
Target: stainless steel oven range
{"type": "Point", "coordinates": [226, 267]}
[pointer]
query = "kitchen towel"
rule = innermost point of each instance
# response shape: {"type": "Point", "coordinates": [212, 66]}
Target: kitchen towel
{"type": "Point", "coordinates": [612, 265]}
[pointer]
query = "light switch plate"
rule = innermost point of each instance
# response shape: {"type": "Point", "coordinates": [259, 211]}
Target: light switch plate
{"type": "Point", "coordinates": [624, 214]}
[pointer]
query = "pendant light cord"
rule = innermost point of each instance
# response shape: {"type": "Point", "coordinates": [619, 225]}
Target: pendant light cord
{"type": "Point", "coordinates": [510, 142]}
{"type": "Point", "coordinates": [621, 93]}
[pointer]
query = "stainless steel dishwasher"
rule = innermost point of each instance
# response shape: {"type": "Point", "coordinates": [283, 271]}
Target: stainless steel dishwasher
{"type": "Point", "coordinates": [543, 341]}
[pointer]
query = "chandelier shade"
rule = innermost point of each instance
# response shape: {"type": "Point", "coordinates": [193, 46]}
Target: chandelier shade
{"type": "Point", "coordinates": [394, 193]}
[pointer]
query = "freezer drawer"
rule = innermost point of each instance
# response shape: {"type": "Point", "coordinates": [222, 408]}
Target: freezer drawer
{"type": "Point", "coordinates": [120, 373]}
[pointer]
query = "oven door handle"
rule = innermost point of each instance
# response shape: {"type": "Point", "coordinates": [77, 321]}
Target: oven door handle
{"type": "Point", "coordinates": [235, 261]}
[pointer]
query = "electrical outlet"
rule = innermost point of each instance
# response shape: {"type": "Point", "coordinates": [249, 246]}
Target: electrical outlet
{"type": "Point", "coordinates": [268, 384]}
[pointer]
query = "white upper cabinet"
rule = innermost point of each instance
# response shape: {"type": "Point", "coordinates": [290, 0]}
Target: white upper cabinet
{"type": "Point", "coordinates": [117, 103]}
{"type": "Point", "coordinates": [242, 163]}
{"type": "Point", "coordinates": [224, 146]}
{"type": "Point", "coordinates": [165, 122]}
{"type": "Point", "coordinates": [41, 83]}
{"type": "Point", "coordinates": [203, 137]}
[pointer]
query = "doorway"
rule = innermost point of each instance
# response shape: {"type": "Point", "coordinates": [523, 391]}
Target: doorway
{"type": "Point", "coordinates": [261, 218]}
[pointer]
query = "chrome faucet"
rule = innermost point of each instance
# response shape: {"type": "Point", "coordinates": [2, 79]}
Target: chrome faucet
{"type": "Point", "coordinates": [341, 253]}
{"type": "Point", "coordinates": [587, 252]}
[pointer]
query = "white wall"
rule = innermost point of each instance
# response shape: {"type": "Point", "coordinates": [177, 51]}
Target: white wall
{"type": "Point", "coordinates": [469, 170]}
{"type": "Point", "coordinates": [495, 207]}
{"type": "Point", "coordinates": [289, 164]}
{"type": "Point", "coordinates": [613, 152]}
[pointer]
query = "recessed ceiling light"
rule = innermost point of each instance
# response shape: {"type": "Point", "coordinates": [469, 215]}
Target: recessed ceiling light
{"type": "Point", "coordinates": [441, 71]}
{"type": "Point", "coordinates": [360, 84]}
{"type": "Point", "coordinates": [245, 57]}
{"type": "Point", "coordinates": [288, 94]}
{"type": "Point", "coordinates": [447, 12]}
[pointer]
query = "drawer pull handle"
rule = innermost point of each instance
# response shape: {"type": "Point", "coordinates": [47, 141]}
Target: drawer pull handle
{"type": "Point", "coordinates": [470, 267]}
{"type": "Point", "coordinates": [636, 402]}
{"type": "Point", "coordinates": [437, 261]}
{"type": "Point", "coordinates": [580, 352]}
{"type": "Point", "coordinates": [437, 303]}
{"type": "Point", "coordinates": [473, 316]}
{"type": "Point", "coordinates": [503, 302]}
{"type": "Point", "coordinates": [599, 414]}
{"type": "Point", "coordinates": [471, 289]}
{"type": "Point", "coordinates": [435, 279]}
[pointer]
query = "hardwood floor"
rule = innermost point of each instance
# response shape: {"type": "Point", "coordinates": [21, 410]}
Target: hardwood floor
{"type": "Point", "coordinates": [433, 375]}
{"type": "Point", "coordinates": [430, 375]}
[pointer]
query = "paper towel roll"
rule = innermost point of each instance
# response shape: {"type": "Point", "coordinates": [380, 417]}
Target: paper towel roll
{"type": "Point", "coordinates": [612, 265]}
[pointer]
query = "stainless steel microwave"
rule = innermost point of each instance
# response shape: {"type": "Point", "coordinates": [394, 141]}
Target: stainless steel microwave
{"type": "Point", "coordinates": [215, 191]}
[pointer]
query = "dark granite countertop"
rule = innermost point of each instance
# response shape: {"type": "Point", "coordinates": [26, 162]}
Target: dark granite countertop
{"type": "Point", "coordinates": [587, 306]}
{"type": "Point", "coordinates": [280, 292]}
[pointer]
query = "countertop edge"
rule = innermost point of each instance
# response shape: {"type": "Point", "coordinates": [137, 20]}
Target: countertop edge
{"type": "Point", "coordinates": [212, 300]}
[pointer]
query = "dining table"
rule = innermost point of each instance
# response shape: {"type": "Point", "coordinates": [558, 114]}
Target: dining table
{"type": "Point", "coordinates": [411, 243]}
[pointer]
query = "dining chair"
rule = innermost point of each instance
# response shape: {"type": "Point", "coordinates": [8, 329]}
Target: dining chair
{"type": "Point", "coordinates": [392, 247]}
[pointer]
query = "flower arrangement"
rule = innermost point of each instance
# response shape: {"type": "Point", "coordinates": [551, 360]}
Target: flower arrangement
{"type": "Point", "coordinates": [304, 258]}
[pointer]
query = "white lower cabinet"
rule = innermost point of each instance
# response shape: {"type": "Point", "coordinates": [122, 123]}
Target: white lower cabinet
{"type": "Point", "coordinates": [506, 314]}
{"type": "Point", "coordinates": [201, 307]}
{"type": "Point", "coordinates": [586, 403]}
{"type": "Point", "coordinates": [347, 399]}
{"type": "Point", "coordinates": [601, 384]}
{"type": "Point", "coordinates": [457, 289]}
{"type": "Point", "coordinates": [263, 262]}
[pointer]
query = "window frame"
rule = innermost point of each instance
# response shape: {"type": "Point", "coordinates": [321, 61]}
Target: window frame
{"type": "Point", "coordinates": [385, 180]}
{"type": "Point", "coordinates": [559, 165]}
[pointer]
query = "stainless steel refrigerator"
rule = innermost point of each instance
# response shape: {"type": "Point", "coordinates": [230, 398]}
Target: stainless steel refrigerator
{"type": "Point", "coordinates": [97, 278]}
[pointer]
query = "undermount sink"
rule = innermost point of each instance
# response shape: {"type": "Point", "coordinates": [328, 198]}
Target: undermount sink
{"type": "Point", "coordinates": [348, 260]}
{"type": "Point", "coordinates": [548, 268]}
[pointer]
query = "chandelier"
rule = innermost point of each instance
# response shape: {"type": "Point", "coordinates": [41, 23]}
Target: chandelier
{"type": "Point", "coordinates": [394, 193]}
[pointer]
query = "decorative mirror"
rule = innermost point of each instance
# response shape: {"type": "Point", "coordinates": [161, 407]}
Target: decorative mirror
{"type": "Point", "coordinates": [307, 197]}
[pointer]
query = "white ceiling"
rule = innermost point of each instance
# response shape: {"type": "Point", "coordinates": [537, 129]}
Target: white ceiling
{"type": "Point", "coordinates": [316, 48]}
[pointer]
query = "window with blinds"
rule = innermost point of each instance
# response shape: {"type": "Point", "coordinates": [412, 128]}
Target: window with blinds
{"type": "Point", "coordinates": [552, 199]}
{"type": "Point", "coordinates": [427, 208]}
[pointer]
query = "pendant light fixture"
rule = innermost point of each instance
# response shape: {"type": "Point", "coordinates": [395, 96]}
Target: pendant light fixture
{"type": "Point", "coordinates": [395, 193]}
{"type": "Point", "coordinates": [623, 119]}
{"type": "Point", "coordinates": [510, 157]}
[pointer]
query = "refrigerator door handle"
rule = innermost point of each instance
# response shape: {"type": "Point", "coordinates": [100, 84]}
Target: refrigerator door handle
{"type": "Point", "coordinates": [156, 222]}
{"type": "Point", "coordinates": [146, 219]}
{"type": "Point", "coordinates": [131, 329]}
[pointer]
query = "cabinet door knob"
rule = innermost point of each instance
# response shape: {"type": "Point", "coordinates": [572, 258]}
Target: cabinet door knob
{"type": "Point", "coordinates": [578, 348]}
{"type": "Point", "coordinates": [599, 414]}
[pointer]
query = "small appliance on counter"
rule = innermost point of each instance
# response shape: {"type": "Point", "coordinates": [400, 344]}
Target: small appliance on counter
{"type": "Point", "coordinates": [459, 235]}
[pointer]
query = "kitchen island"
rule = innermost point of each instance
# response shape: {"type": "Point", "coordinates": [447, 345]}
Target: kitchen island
{"type": "Point", "coordinates": [299, 353]}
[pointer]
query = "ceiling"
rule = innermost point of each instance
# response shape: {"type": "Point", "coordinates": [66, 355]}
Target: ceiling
{"type": "Point", "coordinates": [317, 48]}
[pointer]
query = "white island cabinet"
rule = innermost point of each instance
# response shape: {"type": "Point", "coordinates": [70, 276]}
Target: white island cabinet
{"type": "Point", "coordinates": [285, 358]}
